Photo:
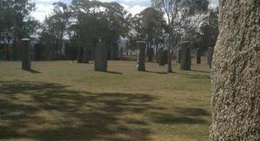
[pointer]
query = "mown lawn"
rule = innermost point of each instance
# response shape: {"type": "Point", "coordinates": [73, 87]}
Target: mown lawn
{"type": "Point", "coordinates": [66, 101]}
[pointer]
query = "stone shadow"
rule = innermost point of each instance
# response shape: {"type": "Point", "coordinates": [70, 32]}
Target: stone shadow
{"type": "Point", "coordinates": [33, 71]}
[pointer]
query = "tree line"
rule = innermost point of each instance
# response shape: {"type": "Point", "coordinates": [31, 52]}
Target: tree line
{"type": "Point", "coordinates": [72, 31]}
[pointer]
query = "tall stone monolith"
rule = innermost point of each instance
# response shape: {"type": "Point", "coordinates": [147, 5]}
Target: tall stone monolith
{"type": "Point", "coordinates": [185, 57]}
{"type": "Point", "coordinates": [101, 56]}
{"type": "Point", "coordinates": [210, 55]}
{"type": "Point", "coordinates": [198, 54]}
{"type": "Point", "coordinates": [141, 58]}
{"type": "Point", "coordinates": [26, 54]}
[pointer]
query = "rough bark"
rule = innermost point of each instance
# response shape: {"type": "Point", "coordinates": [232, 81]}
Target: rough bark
{"type": "Point", "coordinates": [141, 61]}
{"type": "Point", "coordinates": [236, 73]}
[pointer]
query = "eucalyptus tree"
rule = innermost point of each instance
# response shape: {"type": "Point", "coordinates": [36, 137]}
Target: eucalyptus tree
{"type": "Point", "coordinates": [118, 26]}
{"type": "Point", "coordinates": [150, 24]}
{"type": "Point", "coordinates": [209, 29]}
{"type": "Point", "coordinates": [15, 16]}
{"type": "Point", "coordinates": [105, 21]}
{"type": "Point", "coordinates": [54, 28]}
{"type": "Point", "coordinates": [84, 17]}
{"type": "Point", "coordinates": [179, 14]}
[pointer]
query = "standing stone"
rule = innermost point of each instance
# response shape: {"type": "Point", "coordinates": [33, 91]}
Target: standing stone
{"type": "Point", "coordinates": [210, 55]}
{"type": "Point", "coordinates": [37, 52]}
{"type": "Point", "coordinates": [199, 56]}
{"type": "Point", "coordinates": [236, 73]}
{"type": "Point", "coordinates": [80, 55]}
{"type": "Point", "coordinates": [162, 58]}
{"type": "Point", "coordinates": [101, 57]}
{"type": "Point", "coordinates": [85, 55]}
{"type": "Point", "coordinates": [178, 56]}
{"type": "Point", "coordinates": [166, 56]}
{"type": "Point", "coordinates": [14, 50]}
{"type": "Point", "coordinates": [26, 52]}
{"type": "Point", "coordinates": [141, 61]}
{"type": "Point", "coordinates": [150, 53]}
{"type": "Point", "coordinates": [121, 56]}
{"type": "Point", "coordinates": [185, 57]}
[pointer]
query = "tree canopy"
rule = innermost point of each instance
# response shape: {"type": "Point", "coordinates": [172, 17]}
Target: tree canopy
{"type": "Point", "coordinates": [181, 17]}
{"type": "Point", "coordinates": [81, 24]}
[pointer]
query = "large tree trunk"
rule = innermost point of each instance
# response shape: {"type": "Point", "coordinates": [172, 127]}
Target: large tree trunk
{"type": "Point", "coordinates": [236, 73]}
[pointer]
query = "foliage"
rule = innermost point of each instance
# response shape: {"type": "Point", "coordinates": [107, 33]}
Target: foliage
{"type": "Point", "coordinates": [180, 19]}
{"type": "Point", "coordinates": [209, 30]}
{"type": "Point", "coordinates": [15, 24]}
{"type": "Point", "coordinates": [105, 21]}
{"type": "Point", "coordinates": [14, 20]}
{"type": "Point", "coordinates": [149, 25]}
{"type": "Point", "coordinates": [54, 29]}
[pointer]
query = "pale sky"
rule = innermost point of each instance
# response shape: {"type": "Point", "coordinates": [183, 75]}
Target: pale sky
{"type": "Point", "coordinates": [44, 7]}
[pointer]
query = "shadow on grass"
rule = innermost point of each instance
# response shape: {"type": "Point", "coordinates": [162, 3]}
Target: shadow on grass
{"type": "Point", "coordinates": [156, 72]}
{"type": "Point", "coordinates": [164, 118]}
{"type": "Point", "coordinates": [182, 116]}
{"type": "Point", "coordinates": [192, 111]}
{"type": "Point", "coordinates": [48, 111]}
{"type": "Point", "coordinates": [201, 71]}
{"type": "Point", "coordinates": [113, 72]}
{"type": "Point", "coordinates": [32, 71]}
{"type": "Point", "coordinates": [189, 75]}
{"type": "Point", "coordinates": [53, 112]}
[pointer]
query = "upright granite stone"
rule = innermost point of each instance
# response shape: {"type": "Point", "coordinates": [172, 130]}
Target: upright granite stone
{"type": "Point", "coordinates": [37, 52]}
{"type": "Point", "coordinates": [178, 56]}
{"type": "Point", "coordinates": [210, 56]}
{"type": "Point", "coordinates": [166, 56]}
{"type": "Point", "coordinates": [162, 58]}
{"type": "Point", "coordinates": [80, 55]}
{"type": "Point", "coordinates": [86, 55]}
{"type": "Point", "coordinates": [101, 54]}
{"type": "Point", "coordinates": [141, 60]}
{"type": "Point", "coordinates": [26, 54]}
{"type": "Point", "coordinates": [185, 57]}
{"type": "Point", "coordinates": [199, 53]}
{"type": "Point", "coordinates": [150, 53]}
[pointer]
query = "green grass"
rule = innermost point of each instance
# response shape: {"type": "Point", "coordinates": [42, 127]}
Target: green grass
{"type": "Point", "coordinates": [65, 101]}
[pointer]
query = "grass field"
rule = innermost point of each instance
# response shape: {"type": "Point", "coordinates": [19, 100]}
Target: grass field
{"type": "Point", "coordinates": [65, 101]}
